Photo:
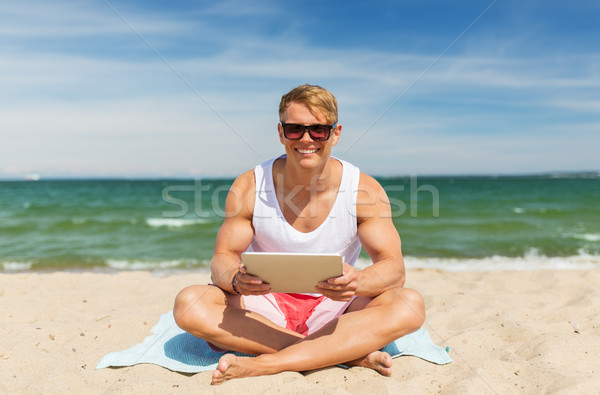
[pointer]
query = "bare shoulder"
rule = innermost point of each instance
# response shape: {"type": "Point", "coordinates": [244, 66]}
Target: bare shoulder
{"type": "Point", "coordinates": [370, 191]}
{"type": "Point", "coordinates": [245, 181]}
{"type": "Point", "coordinates": [240, 199]}
{"type": "Point", "coordinates": [371, 200]}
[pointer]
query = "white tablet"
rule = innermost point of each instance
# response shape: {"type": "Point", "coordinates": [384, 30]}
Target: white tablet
{"type": "Point", "coordinates": [291, 272]}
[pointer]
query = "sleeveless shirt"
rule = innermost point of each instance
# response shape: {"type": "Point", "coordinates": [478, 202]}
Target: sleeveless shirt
{"type": "Point", "coordinates": [336, 235]}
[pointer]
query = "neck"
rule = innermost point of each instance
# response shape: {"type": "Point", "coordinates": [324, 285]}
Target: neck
{"type": "Point", "coordinates": [297, 175]}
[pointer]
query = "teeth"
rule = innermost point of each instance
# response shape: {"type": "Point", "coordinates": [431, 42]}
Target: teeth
{"type": "Point", "coordinates": [307, 151]}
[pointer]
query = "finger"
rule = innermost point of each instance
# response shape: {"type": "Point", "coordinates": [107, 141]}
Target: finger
{"type": "Point", "coordinates": [249, 279]}
{"type": "Point", "coordinates": [337, 286]}
{"type": "Point", "coordinates": [338, 280]}
{"type": "Point", "coordinates": [326, 285]}
{"type": "Point", "coordinates": [250, 288]}
{"type": "Point", "coordinates": [347, 278]}
{"type": "Point", "coordinates": [338, 296]}
{"type": "Point", "coordinates": [335, 291]}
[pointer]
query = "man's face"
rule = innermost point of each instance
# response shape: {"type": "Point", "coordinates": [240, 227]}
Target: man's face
{"type": "Point", "coordinates": [307, 151]}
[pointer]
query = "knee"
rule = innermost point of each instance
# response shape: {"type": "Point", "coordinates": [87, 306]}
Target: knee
{"type": "Point", "coordinates": [187, 309]}
{"type": "Point", "coordinates": [410, 309]}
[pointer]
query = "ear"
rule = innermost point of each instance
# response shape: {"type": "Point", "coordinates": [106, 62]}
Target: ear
{"type": "Point", "coordinates": [336, 133]}
{"type": "Point", "coordinates": [280, 132]}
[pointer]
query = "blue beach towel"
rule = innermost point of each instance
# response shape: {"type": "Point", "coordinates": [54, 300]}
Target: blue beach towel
{"type": "Point", "coordinates": [172, 348]}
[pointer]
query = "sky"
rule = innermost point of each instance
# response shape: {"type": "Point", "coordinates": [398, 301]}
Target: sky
{"type": "Point", "coordinates": [190, 89]}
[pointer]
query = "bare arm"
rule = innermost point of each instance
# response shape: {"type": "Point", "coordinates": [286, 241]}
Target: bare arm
{"type": "Point", "coordinates": [380, 239]}
{"type": "Point", "coordinates": [236, 233]}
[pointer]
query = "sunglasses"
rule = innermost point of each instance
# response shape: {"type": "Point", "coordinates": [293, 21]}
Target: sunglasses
{"type": "Point", "coordinates": [294, 131]}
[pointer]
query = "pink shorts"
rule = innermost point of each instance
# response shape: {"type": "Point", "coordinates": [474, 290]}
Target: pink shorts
{"type": "Point", "coordinates": [304, 314]}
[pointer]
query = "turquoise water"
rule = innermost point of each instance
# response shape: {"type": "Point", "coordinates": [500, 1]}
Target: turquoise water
{"type": "Point", "coordinates": [172, 224]}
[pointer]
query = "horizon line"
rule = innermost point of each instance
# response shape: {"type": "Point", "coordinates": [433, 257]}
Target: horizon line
{"type": "Point", "coordinates": [551, 174]}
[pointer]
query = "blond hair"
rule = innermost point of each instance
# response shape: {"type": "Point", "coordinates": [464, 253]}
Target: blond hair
{"type": "Point", "coordinates": [316, 98]}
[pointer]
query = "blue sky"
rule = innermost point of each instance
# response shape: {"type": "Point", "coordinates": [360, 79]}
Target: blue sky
{"type": "Point", "coordinates": [191, 88]}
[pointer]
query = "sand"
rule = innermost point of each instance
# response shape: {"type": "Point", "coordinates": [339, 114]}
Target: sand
{"type": "Point", "coordinates": [521, 332]}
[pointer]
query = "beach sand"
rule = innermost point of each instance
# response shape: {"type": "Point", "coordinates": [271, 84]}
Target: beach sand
{"type": "Point", "coordinates": [520, 332]}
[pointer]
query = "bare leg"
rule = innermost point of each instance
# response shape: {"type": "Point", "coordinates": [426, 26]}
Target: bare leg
{"type": "Point", "coordinates": [351, 337]}
{"type": "Point", "coordinates": [196, 298]}
{"type": "Point", "coordinates": [380, 361]}
{"type": "Point", "coordinates": [207, 312]}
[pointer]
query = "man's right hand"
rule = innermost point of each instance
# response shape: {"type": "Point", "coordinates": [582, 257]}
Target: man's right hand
{"type": "Point", "coordinates": [247, 284]}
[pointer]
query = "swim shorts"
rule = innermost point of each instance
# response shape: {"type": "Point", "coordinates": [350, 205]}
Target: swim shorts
{"type": "Point", "coordinates": [301, 313]}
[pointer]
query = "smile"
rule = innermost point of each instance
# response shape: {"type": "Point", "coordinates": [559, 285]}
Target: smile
{"type": "Point", "coordinates": [307, 151]}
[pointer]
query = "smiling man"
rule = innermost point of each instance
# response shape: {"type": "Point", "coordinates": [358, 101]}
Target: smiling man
{"type": "Point", "coordinates": [304, 201]}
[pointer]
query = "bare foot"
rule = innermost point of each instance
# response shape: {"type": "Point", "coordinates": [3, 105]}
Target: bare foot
{"type": "Point", "coordinates": [230, 367]}
{"type": "Point", "coordinates": [379, 361]}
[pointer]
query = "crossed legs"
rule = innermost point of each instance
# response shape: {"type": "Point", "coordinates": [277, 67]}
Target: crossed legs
{"type": "Point", "coordinates": [353, 338]}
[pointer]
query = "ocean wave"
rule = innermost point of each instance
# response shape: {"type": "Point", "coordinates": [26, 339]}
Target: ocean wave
{"type": "Point", "coordinates": [124, 264]}
{"type": "Point", "coordinates": [16, 266]}
{"type": "Point", "coordinates": [98, 221]}
{"type": "Point", "coordinates": [584, 236]}
{"type": "Point", "coordinates": [174, 222]}
{"type": "Point", "coordinates": [537, 210]}
{"type": "Point", "coordinates": [530, 261]}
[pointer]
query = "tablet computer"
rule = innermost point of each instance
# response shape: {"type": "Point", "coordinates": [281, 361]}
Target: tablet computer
{"type": "Point", "coordinates": [292, 272]}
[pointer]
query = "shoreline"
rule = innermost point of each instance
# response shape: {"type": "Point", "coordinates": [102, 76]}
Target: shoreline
{"type": "Point", "coordinates": [531, 331]}
{"type": "Point", "coordinates": [528, 262]}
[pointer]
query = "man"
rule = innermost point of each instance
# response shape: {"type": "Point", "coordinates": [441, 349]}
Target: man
{"type": "Point", "coordinates": [304, 201]}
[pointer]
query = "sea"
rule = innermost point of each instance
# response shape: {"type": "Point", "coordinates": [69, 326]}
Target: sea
{"type": "Point", "coordinates": [455, 223]}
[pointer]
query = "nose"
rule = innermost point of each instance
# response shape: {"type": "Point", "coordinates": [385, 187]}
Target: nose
{"type": "Point", "coordinates": [306, 136]}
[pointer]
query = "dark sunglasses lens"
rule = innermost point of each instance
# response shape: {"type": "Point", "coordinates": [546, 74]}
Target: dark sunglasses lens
{"type": "Point", "coordinates": [319, 132]}
{"type": "Point", "coordinates": [293, 132]}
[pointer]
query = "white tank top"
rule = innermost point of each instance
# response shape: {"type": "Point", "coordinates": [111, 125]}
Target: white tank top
{"type": "Point", "coordinates": [336, 235]}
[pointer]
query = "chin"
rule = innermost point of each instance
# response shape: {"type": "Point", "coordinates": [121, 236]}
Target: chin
{"type": "Point", "coordinates": [312, 161]}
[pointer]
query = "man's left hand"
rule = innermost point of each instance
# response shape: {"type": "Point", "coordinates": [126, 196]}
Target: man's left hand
{"type": "Point", "coordinates": [341, 288]}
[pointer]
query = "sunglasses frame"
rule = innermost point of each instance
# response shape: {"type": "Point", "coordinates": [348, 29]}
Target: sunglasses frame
{"type": "Point", "coordinates": [307, 128]}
